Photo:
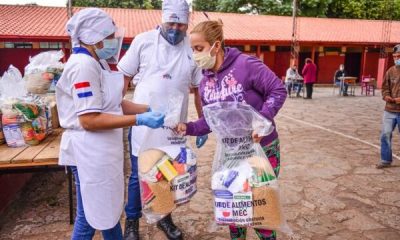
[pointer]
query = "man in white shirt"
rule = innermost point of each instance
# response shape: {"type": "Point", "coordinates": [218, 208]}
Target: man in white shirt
{"type": "Point", "coordinates": [291, 80]}
{"type": "Point", "coordinates": [160, 62]}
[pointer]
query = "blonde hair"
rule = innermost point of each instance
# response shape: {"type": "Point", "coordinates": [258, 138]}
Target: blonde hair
{"type": "Point", "coordinates": [211, 30]}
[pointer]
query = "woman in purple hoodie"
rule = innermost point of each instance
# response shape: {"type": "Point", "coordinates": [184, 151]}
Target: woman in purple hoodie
{"type": "Point", "coordinates": [230, 75]}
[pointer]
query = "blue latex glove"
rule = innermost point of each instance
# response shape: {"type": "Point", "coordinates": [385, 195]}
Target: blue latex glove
{"type": "Point", "coordinates": [150, 119]}
{"type": "Point", "coordinates": [201, 140]}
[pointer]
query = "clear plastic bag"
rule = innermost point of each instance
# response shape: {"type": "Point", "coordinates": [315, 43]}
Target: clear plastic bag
{"type": "Point", "coordinates": [11, 84]}
{"type": "Point", "coordinates": [171, 106]}
{"type": "Point", "coordinates": [24, 121]}
{"type": "Point", "coordinates": [43, 71]}
{"type": "Point", "coordinates": [165, 182]}
{"type": "Point", "coordinates": [244, 185]}
{"type": "Point", "coordinates": [12, 120]}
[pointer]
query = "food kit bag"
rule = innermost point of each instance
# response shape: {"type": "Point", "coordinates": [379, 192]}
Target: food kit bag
{"type": "Point", "coordinates": [43, 72]}
{"type": "Point", "coordinates": [166, 182]}
{"type": "Point", "coordinates": [244, 185]}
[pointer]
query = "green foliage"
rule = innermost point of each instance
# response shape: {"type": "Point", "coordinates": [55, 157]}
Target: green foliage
{"type": "Point", "coordinates": [205, 5]}
{"type": "Point", "coordinates": [360, 9]}
{"type": "Point", "coordinates": [144, 4]}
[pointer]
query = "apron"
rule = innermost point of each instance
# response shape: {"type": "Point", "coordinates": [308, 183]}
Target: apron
{"type": "Point", "coordinates": [168, 74]}
{"type": "Point", "coordinates": [99, 159]}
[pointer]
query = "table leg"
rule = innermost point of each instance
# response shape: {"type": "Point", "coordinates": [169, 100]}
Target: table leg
{"type": "Point", "coordinates": [71, 201]}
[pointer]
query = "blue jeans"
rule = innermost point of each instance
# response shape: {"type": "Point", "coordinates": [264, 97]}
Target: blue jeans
{"type": "Point", "coordinates": [344, 87]}
{"type": "Point", "coordinates": [390, 120]}
{"type": "Point", "coordinates": [82, 229]}
{"type": "Point", "coordinates": [133, 207]}
{"type": "Point", "coordinates": [294, 86]}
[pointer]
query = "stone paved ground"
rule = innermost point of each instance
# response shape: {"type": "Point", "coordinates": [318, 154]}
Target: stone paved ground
{"type": "Point", "coordinates": [330, 187]}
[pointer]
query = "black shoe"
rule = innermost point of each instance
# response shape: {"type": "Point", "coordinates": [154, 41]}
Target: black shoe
{"type": "Point", "coordinates": [131, 229]}
{"type": "Point", "coordinates": [168, 227]}
{"type": "Point", "coordinates": [345, 94]}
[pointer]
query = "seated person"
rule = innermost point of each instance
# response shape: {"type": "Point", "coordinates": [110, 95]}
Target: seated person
{"type": "Point", "coordinates": [291, 75]}
{"type": "Point", "coordinates": [341, 73]}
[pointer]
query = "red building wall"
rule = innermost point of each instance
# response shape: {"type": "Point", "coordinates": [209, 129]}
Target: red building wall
{"type": "Point", "coordinates": [282, 63]}
{"type": "Point", "coordinates": [371, 64]}
{"type": "Point", "coordinates": [327, 65]}
{"type": "Point", "coordinates": [269, 60]}
{"type": "Point", "coordinates": [19, 57]}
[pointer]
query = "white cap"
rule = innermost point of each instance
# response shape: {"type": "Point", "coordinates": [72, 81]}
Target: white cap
{"type": "Point", "coordinates": [90, 26]}
{"type": "Point", "coordinates": [176, 11]}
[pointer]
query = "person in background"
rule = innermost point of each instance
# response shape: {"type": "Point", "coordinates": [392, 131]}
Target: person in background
{"type": "Point", "coordinates": [230, 75]}
{"type": "Point", "coordinates": [160, 61]}
{"type": "Point", "coordinates": [290, 80]}
{"type": "Point", "coordinates": [338, 74]}
{"type": "Point", "coordinates": [92, 111]}
{"type": "Point", "coordinates": [391, 115]}
{"type": "Point", "coordinates": [310, 77]}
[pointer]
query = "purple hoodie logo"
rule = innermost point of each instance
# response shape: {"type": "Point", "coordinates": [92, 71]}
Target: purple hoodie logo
{"type": "Point", "coordinates": [228, 89]}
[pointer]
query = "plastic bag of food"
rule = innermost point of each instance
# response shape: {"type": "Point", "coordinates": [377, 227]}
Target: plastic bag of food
{"type": "Point", "coordinates": [11, 84]}
{"type": "Point", "coordinates": [43, 71]}
{"type": "Point", "coordinates": [244, 185]}
{"type": "Point", "coordinates": [166, 182]}
{"type": "Point", "coordinates": [12, 120]}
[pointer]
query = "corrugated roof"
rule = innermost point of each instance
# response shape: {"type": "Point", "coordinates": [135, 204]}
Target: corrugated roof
{"type": "Point", "coordinates": [36, 22]}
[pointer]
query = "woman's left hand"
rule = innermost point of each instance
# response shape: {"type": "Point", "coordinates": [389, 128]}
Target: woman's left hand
{"type": "Point", "coordinates": [256, 138]}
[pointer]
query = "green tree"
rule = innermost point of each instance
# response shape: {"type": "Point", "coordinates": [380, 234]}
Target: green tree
{"type": "Point", "coordinates": [144, 4]}
{"type": "Point", "coordinates": [365, 9]}
{"type": "Point", "coordinates": [205, 5]}
{"type": "Point", "coordinates": [314, 8]}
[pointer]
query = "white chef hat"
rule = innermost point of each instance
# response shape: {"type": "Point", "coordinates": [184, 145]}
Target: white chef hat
{"type": "Point", "coordinates": [176, 11]}
{"type": "Point", "coordinates": [90, 26]}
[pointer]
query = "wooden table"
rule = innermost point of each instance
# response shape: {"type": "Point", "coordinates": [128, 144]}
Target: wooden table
{"type": "Point", "coordinates": [40, 158]}
{"type": "Point", "coordinates": [349, 80]}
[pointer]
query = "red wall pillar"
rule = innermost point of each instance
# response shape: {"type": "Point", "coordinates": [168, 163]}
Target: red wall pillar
{"type": "Point", "coordinates": [381, 71]}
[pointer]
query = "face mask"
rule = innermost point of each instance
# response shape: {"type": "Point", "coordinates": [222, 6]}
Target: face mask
{"type": "Point", "coordinates": [204, 60]}
{"type": "Point", "coordinates": [397, 62]}
{"type": "Point", "coordinates": [173, 36]}
{"type": "Point", "coordinates": [110, 48]}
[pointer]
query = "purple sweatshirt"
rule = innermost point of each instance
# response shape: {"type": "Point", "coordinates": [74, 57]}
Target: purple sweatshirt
{"type": "Point", "coordinates": [241, 78]}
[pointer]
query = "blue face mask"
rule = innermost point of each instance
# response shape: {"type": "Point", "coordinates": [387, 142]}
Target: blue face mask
{"type": "Point", "coordinates": [110, 49]}
{"type": "Point", "coordinates": [397, 62]}
{"type": "Point", "coordinates": [173, 36]}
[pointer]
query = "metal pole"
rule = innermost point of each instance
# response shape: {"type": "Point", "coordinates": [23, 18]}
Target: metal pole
{"type": "Point", "coordinates": [294, 33]}
{"type": "Point", "coordinates": [69, 8]}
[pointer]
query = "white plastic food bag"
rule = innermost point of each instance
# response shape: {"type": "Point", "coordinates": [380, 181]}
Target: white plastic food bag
{"type": "Point", "coordinates": [43, 71]}
{"type": "Point", "coordinates": [245, 189]}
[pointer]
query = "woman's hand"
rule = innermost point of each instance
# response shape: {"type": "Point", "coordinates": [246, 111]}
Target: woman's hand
{"type": "Point", "coordinates": [181, 129]}
{"type": "Point", "coordinates": [256, 138]}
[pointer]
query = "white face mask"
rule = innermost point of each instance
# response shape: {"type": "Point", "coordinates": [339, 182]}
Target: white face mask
{"type": "Point", "coordinates": [204, 60]}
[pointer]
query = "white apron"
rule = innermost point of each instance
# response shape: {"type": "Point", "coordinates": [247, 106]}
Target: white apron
{"type": "Point", "coordinates": [167, 72]}
{"type": "Point", "coordinates": [99, 159]}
